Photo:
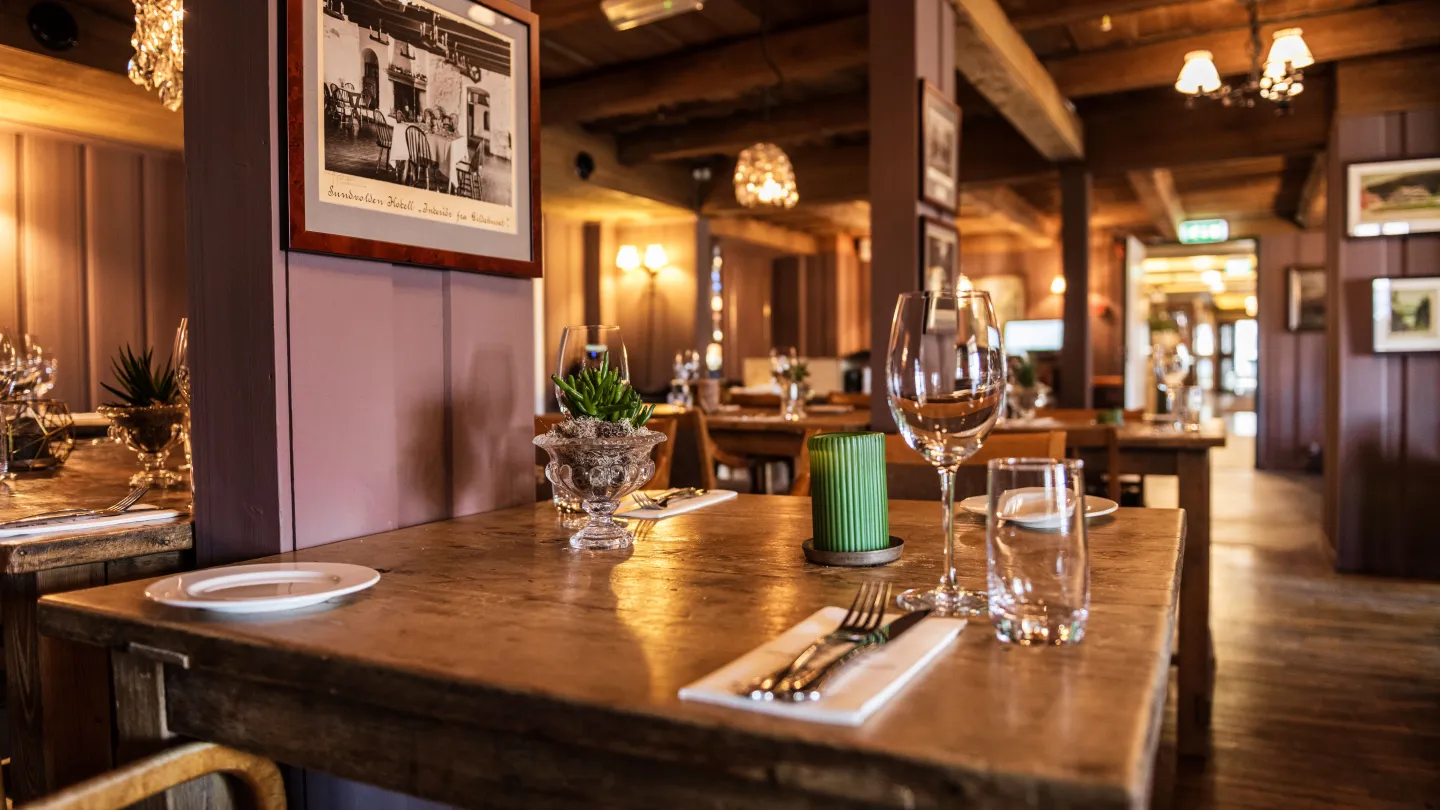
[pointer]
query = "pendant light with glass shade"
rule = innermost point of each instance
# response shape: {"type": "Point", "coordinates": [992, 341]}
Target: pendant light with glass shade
{"type": "Point", "coordinates": [1279, 79]}
{"type": "Point", "coordinates": [764, 175]}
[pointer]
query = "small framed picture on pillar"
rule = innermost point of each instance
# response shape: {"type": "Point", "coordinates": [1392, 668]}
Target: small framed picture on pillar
{"type": "Point", "coordinates": [939, 148]}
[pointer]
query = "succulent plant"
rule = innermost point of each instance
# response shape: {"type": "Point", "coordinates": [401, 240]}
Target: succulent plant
{"type": "Point", "coordinates": [601, 394]}
{"type": "Point", "coordinates": [141, 384]}
{"type": "Point", "coordinates": [797, 372]}
{"type": "Point", "coordinates": [1023, 370]}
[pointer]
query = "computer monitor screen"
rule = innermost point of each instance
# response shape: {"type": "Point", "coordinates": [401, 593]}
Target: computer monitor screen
{"type": "Point", "coordinates": [1034, 336]}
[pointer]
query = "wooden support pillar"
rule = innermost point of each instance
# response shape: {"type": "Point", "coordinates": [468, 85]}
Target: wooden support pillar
{"type": "Point", "coordinates": [591, 264]}
{"type": "Point", "coordinates": [910, 40]}
{"type": "Point", "coordinates": [1076, 363]}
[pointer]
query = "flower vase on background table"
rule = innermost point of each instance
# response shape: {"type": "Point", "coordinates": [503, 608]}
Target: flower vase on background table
{"type": "Point", "coordinates": [790, 373]}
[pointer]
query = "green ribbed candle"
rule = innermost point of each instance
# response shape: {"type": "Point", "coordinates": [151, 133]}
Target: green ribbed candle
{"type": "Point", "coordinates": [848, 500]}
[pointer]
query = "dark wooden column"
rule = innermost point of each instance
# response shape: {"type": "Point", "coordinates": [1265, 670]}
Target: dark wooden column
{"type": "Point", "coordinates": [1076, 363]}
{"type": "Point", "coordinates": [592, 264]}
{"type": "Point", "coordinates": [910, 40]}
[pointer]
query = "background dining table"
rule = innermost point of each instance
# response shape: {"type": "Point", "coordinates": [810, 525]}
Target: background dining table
{"type": "Point", "coordinates": [762, 434]}
{"type": "Point", "coordinates": [1161, 449]}
{"type": "Point", "coordinates": [446, 149]}
{"type": "Point", "coordinates": [493, 664]}
{"type": "Point", "coordinates": [59, 713]}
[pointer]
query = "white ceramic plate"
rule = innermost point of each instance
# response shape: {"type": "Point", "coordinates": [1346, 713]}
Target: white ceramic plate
{"type": "Point", "coordinates": [1094, 507]}
{"type": "Point", "coordinates": [262, 588]}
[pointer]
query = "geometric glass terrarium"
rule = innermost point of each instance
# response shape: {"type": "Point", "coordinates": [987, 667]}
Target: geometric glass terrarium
{"type": "Point", "coordinates": [39, 433]}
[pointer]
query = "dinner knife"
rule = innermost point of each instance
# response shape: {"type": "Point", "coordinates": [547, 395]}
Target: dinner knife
{"type": "Point", "coordinates": [60, 520]}
{"type": "Point", "coordinates": [805, 684]}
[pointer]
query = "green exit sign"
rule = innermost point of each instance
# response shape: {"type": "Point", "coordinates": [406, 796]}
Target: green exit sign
{"type": "Point", "coordinates": [1201, 231]}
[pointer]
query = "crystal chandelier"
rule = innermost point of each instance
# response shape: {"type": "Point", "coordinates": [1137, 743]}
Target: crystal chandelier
{"type": "Point", "coordinates": [1279, 79]}
{"type": "Point", "coordinates": [159, 61]}
{"type": "Point", "coordinates": [764, 176]}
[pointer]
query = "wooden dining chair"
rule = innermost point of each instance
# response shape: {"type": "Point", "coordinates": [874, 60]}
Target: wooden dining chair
{"type": "Point", "coordinates": [384, 137]}
{"type": "Point", "coordinates": [170, 768]}
{"type": "Point", "coordinates": [908, 476]}
{"type": "Point", "coordinates": [697, 456]}
{"type": "Point", "coordinates": [421, 161]}
{"type": "Point", "coordinates": [1086, 414]}
{"type": "Point", "coordinates": [1102, 440]}
{"type": "Point", "coordinates": [467, 175]}
{"type": "Point", "coordinates": [750, 399]}
{"type": "Point", "coordinates": [801, 484]}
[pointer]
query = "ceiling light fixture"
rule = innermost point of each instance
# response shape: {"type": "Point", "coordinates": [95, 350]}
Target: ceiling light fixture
{"type": "Point", "coordinates": [764, 175]}
{"type": "Point", "coordinates": [159, 61]}
{"type": "Point", "coordinates": [1057, 285]}
{"type": "Point", "coordinates": [1278, 79]}
{"type": "Point", "coordinates": [626, 14]}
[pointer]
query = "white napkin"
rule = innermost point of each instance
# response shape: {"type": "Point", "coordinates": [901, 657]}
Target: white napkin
{"type": "Point", "coordinates": [851, 696]}
{"type": "Point", "coordinates": [679, 506]}
{"type": "Point", "coordinates": [139, 513]}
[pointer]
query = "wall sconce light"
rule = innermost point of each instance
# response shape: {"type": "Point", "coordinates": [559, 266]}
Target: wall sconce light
{"type": "Point", "coordinates": [628, 258]}
{"type": "Point", "coordinates": [1057, 287]}
{"type": "Point", "coordinates": [655, 259]}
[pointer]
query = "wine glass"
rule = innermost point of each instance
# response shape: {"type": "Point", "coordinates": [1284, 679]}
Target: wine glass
{"type": "Point", "coordinates": [583, 347]}
{"type": "Point", "coordinates": [945, 376]}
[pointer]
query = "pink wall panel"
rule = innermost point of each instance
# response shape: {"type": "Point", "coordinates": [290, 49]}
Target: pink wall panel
{"type": "Point", "coordinates": [9, 229]}
{"type": "Point", "coordinates": [114, 262]}
{"type": "Point", "coordinates": [1291, 402]}
{"type": "Point", "coordinates": [53, 258]}
{"type": "Point", "coordinates": [163, 179]}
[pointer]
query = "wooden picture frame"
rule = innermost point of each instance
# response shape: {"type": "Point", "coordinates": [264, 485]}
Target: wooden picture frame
{"type": "Point", "coordinates": [939, 255]}
{"type": "Point", "coordinates": [1405, 314]}
{"type": "Point", "coordinates": [939, 148]}
{"type": "Point", "coordinates": [466, 102]}
{"type": "Point", "coordinates": [1392, 197]}
{"type": "Point", "coordinates": [1304, 298]}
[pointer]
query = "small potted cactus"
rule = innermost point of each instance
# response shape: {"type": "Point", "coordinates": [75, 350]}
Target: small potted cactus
{"type": "Point", "coordinates": [601, 451]}
{"type": "Point", "coordinates": [148, 415]}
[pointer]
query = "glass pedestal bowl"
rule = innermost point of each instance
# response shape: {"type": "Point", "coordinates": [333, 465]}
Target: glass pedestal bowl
{"type": "Point", "coordinates": [599, 472]}
{"type": "Point", "coordinates": [152, 432]}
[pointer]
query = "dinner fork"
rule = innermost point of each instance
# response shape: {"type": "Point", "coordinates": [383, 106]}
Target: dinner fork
{"type": "Point", "coordinates": [647, 501]}
{"type": "Point", "coordinates": [119, 506]}
{"type": "Point", "coordinates": [865, 614]}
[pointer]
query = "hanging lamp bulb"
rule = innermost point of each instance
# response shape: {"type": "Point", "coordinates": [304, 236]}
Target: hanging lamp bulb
{"type": "Point", "coordinates": [1198, 75]}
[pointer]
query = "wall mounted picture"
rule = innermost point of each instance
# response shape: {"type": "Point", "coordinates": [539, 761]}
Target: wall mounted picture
{"type": "Point", "coordinates": [1393, 198]}
{"type": "Point", "coordinates": [939, 255]}
{"type": "Point", "coordinates": [1305, 298]}
{"type": "Point", "coordinates": [1007, 295]}
{"type": "Point", "coordinates": [939, 148]}
{"type": "Point", "coordinates": [411, 137]}
{"type": "Point", "coordinates": [1406, 314]}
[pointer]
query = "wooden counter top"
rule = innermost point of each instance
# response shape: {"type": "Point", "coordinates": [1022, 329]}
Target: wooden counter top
{"type": "Point", "coordinates": [94, 476]}
{"type": "Point", "coordinates": [491, 656]}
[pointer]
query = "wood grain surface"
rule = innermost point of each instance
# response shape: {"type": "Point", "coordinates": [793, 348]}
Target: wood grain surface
{"type": "Point", "coordinates": [492, 655]}
{"type": "Point", "coordinates": [94, 477]}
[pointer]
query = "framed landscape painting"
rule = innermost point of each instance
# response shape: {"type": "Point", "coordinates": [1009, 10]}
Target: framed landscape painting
{"type": "Point", "coordinates": [1404, 314]}
{"type": "Point", "coordinates": [1393, 198]}
{"type": "Point", "coordinates": [939, 148]}
{"type": "Point", "coordinates": [412, 132]}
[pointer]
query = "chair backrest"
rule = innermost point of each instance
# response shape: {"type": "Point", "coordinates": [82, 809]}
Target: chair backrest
{"type": "Point", "coordinates": [1086, 414]}
{"type": "Point", "coordinates": [693, 463]}
{"type": "Point", "coordinates": [151, 776]}
{"type": "Point", "coordinates": [801, 484]}
{"type": "Point", "coordinates": [418, 144]}
{"type": "Point", "coordinates": [851, 398]}
{"type": "Point", "coordinates": [908, 476]}
{"type": "Point", "coordinates": [752, 400]}
{"type": "Point", "coordinates": [384, 134]}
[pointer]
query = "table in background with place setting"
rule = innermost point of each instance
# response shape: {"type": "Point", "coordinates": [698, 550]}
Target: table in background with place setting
{"type": "Point", "coordinates": [764, 434]}
{"type": "Point", "coordinates": [57, 692]}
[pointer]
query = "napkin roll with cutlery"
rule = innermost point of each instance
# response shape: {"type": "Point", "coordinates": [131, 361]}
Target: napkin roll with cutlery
{"type": "Point", "coordinates": [678, 506]}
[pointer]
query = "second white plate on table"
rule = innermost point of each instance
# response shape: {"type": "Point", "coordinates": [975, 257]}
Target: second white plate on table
{"type": "Point", "coordinates": [262, 588]}
{"type": "Point", "coordinates": [1094, 507]}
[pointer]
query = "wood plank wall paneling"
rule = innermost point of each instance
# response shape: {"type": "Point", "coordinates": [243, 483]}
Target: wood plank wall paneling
{"type": "Point", "coordinates": [657, 317]}
{"type": "Point", "coordinates": [1290, 402]}
{"type": "Point", "coordinates": [749, 288]}
{"type": "Point", "coordinates": [91, 252]}
{"type": "Point", "coordinates": [564, 282]}
{"type": "Point", "coordinates": [1382, 439]}
{"type": "Point", "coordinates": [1039, 266]}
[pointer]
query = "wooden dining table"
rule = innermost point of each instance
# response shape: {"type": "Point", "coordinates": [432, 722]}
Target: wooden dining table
{"type": "Point", "coordinates": [57, 693]}
{"type": "Point", "coordinates": [1147, 449]}
{"type": "Point", "coordinates": [492, 665]}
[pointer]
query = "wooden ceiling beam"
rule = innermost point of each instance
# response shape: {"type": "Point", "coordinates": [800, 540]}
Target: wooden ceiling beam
{"type": "Point", "coordinates": [1156, 190]}
{"type": "Point", "coordinates": [1027, 15]}
{"type": "Point", "coordinates": [1154, 130]}
{"type": "Point", "coordinates": [995, 59]}
{"type": "Point", "coordinates": [791, 124]}
{"type": "Point", "coordinates": [669, 185]}
{"type": "Point", "coordinates": [713, 73]}
{"type": "Point", "coordinates": [1332, 37]}
{"type": "Point", "coordinates": [759, 232]}
{"type": "Point", "coordinates": [1302, 184]}
{"type": "Point", "coordinates": [1010, 212]}
{"type": "Point", "coordinates": [43, 91]}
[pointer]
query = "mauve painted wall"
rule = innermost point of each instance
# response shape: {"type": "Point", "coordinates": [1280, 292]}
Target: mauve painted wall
{"type": "Point", "coordinates": [92, 252]}
{"type": "Point", "coordinates": [1290, 404]}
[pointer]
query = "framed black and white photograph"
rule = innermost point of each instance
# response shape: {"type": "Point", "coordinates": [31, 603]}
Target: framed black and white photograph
{"type": "Point", "coordinates": [1404, 314]}
{"type": "Point", "coordinates": [1393, 198]}
{"type": "Point", "coordinates": [411, 134]}
{"type": "Point", "coordinates": [939, 148]}
{"type": "Point", "coordinates": [1304, 298]}
{"type": "Point", "coordinates": [939, 255]}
